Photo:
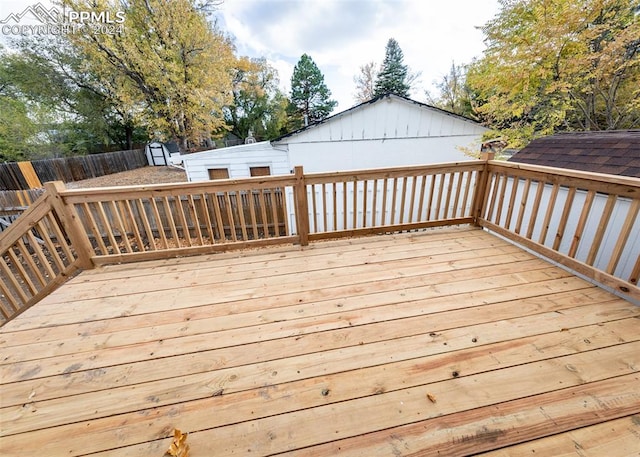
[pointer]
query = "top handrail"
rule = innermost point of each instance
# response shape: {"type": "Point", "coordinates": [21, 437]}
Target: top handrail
{"type": "Point", "coordinates": [624, 185]}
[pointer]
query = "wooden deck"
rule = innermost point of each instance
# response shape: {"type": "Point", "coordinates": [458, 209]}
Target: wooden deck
{"type": "Point", "coordinates": [444, 342]}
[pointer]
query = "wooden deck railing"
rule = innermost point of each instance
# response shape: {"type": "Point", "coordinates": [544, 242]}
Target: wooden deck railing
{"type": "Point", "coordinates": [586, 222]}
{"type": "Point", "coordinates": [38, 252]}
{"type": "Point", "coordinates": [150, 222]}
{"type": "Point", "coordinates": [390, 200]}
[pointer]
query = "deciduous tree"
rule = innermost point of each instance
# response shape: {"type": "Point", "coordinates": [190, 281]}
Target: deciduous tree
{"type": "Point", "coordinates": [168, 61]}
{"type": "Point", "coordinates": [258, 104]}
{"type": "Point", "coordinates": [366, 81]}
{"type": "Point", "coordinates": [453, 94]}
{"type": "Point", "coordinates": [553, 65]}
{"type": "Point", "coordinates": [83, 109]}
{"type": "Point", "coordinates": [16, 128]}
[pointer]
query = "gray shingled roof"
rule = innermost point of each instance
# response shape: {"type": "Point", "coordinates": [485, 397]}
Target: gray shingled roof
{"type": "Point", "coordinates": [615, 152]}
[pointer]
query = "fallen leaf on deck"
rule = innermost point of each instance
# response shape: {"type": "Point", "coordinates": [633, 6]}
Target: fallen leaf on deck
{"type": "Point", "coordinates": [179, 446]}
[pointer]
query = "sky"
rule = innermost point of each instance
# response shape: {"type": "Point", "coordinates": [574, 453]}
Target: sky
{"type": "Point", "coordinates": [342, 35]}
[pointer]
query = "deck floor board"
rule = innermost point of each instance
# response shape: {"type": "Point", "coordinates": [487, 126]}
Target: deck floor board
{"type": "Point", "coordinates": [443, 342]}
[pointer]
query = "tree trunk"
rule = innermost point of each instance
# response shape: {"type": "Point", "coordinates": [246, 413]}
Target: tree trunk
{"type": "Point", "coordinates": [183, 143]}
{"type": "Point", "coordinates": [128, 132]}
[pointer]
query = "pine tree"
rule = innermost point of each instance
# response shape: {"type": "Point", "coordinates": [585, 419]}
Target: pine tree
{"type": "Point", "coordinates": [394, 74]}
{"type": "Point", "coordinates": [309, 93]}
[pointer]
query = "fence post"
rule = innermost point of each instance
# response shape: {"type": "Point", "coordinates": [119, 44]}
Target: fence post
{"type": "Point", "coordinates": [302, 206]}
{"type": "Point", "coordinates": [70, 222]}
{"type": "Point", "coordinates": [482, 184]}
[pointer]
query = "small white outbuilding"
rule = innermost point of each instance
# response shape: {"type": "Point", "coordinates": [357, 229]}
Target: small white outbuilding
{"type": "Point", "coordinates": [386, 131]}
{"type": "Point", "coordinates": [255, 159]}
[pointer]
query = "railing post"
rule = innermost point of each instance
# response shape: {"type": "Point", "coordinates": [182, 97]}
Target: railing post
{"type": "Point", "coordinates": [302, 206]}
{"type": "Point", "coordinates": [486, 156]}
{"type": "Point", "coordinates": [482, 184]}
{"type": "Point", "coordinates": [70, 221]}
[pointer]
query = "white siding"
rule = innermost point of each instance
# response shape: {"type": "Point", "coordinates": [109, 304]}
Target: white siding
{"type": "Point", "coordinates": [390, 132]}
{"type": "Point", "coordinates": [386, 119]}
{"type": "Point", "coordinates": [238, 160]}
{"type": "Point", "coordinates": [350, 155]}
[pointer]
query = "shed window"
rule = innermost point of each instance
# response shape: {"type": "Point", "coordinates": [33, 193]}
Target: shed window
{"type": "Point", "coordinates": [260, 171]}
{"type": "Point", "coordinates": [218, 173]}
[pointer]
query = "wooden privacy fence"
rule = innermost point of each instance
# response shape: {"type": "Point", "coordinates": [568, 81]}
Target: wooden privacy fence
{"type": "Point", "coordinates": [18, 198]}
{"type": "Point", "coordinates": [30, 175]}
{"type": "Point", "coordinates": [553, 212]}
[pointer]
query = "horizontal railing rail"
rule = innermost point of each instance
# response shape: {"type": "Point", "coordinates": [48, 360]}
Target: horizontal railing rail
{"type": "Point", "coordinates": [587, 222]}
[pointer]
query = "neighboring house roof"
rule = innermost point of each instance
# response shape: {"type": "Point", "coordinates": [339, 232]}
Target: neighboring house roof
{"type": "Point", "coordinates": [615, 152]}
{"type": "Point", "coordinates": [373, 101]}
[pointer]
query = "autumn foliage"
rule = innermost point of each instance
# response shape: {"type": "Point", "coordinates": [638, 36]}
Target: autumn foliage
{"type": "Point", "coordinates": [554, 65]}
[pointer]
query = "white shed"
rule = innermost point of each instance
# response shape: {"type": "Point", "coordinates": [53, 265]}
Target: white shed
{"type": "Point", "coordinates": [386, 131]}
{"type": "Point", "coordinates": [241, 161]}
{"type": "Point", "coordinates": [162, 154]}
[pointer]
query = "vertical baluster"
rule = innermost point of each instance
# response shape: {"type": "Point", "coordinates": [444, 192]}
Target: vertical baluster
{"type": "Point", "coordinates": [423, 188]}
{"type": "Point", "coordinates": [523, 205]}
{"type": "Point", "coordinates": [364, 203]}
{"type": "Point", "coordinates": [142, 209]}
{"type": "Point", "coordinates": [602, 228]}
{"type": "Point", "coordinates": [170, 219]}
{"type": "Point", "coordinates": [535, 209]}
{"type": "Point", "coordinates": [159, 223]}
{"type": "Point", "coordinates": [623, 236]}
{"type": "Point", "coordinates": [582, 223]}
{"type": "Point", "coordinates": [550, 208]}
{"type": "Point", "coordinates": [512, 202]}
{"type": "Point", "coordinates": [251, 195]}
{"type": "Point", "coordinates": [568, 204]}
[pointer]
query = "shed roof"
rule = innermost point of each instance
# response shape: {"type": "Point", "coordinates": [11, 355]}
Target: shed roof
{"type": "Point", "coordinates": [615, 152]}
{"type": "Point", "coordinates": [229, 149]}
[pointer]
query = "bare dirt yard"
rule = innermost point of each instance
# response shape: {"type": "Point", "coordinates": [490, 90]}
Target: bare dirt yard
{"type": "Point", "coordinates": [144, 175]}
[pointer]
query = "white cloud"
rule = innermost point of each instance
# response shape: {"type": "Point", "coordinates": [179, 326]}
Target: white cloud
{"type": "Point", "coordinates": [342, 35]}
